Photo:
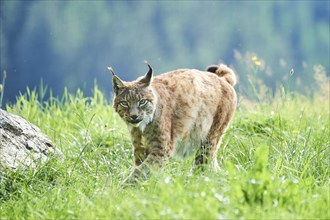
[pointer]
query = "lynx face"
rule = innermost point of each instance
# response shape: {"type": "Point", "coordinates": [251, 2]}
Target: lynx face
{"type": "Point", "coordinates": [135, 105]}
{"type": "Point", "coordinates": [135, 102]}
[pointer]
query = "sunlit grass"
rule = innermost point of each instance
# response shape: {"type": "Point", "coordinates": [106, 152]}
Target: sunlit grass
{"type": "Point", "coordinates": [274, 164]}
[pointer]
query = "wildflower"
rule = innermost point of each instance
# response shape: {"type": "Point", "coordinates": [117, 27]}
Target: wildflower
{"type": "Point", "coordinates": [167, 180]}
{"type": "Point", "coordinates": [283, 144]}
{"type": "Point", "coordinates": [295, 131]}
{"type": "Point", "coordinates": [272, 114]}
{"type": "Point", "coordinates": [256, 61]}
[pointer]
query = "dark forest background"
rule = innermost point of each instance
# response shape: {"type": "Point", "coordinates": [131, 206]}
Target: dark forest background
{"type": "Point", "coordinates": [71, 43]}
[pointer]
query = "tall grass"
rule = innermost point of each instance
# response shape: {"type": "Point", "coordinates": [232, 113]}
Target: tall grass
{"type": "Point", "coordinates": [2, 86]}
{"type": "Point", "coordinates": [274, 164]}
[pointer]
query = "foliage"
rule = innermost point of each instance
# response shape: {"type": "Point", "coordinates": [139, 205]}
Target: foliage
{"type": "Point", "coordinates": [274, 159]}
{"type": "Point", "coordinates": [69, 43]}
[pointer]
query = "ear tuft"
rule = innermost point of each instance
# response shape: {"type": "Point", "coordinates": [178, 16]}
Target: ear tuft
{"type": "Point", "coordinates": [146, 80]}
{"type": "Point", "coordinates": [111, 71]}
{"type": "Point", "coordinates": [116, 81]}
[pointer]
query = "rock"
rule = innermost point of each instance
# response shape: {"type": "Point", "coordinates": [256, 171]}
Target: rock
{"type": "Point", "coordinates": [22, 143]}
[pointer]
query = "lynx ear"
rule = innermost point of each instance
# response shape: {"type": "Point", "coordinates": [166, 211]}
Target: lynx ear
{"type": "Point", "coordinates": [116, 81]}
{"type": "Point", "coordinates": [146, 80]}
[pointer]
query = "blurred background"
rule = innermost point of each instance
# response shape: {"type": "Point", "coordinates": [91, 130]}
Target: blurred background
{"type": "Point", "coordinates": [71, 43]}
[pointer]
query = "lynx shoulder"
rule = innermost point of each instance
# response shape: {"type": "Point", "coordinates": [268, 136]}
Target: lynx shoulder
{"type": "Point", "coordinates": [178, 113]}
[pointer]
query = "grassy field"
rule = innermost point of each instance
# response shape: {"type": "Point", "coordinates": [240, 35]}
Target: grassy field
{"type": "Point", "coordinates": [274, 160]}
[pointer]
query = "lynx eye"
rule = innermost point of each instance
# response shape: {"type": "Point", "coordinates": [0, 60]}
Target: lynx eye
{"type": "Point", "coordinates": [143, 102]}
{"type": "Point", "coordinates": [124, 104]}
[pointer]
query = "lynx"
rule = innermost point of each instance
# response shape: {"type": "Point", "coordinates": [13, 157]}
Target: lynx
{"type": "Point", "coordinates": [176, 114]}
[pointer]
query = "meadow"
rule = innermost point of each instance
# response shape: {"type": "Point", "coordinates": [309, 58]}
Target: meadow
{"type": "Point", "coordinates": [274, 164]}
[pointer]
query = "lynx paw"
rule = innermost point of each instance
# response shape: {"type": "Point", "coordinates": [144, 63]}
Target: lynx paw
{"type": "Point", "coordinates": [137, 174]}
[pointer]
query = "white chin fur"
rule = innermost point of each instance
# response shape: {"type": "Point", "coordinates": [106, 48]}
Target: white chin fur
{"type": "Point", "coordinates": [141, 125]}
{"type": "Point", "coordinates": [136, 125]}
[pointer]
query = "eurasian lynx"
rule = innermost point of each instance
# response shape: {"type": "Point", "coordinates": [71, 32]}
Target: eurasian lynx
{"type": "Point", "coordinates": [176, 114]}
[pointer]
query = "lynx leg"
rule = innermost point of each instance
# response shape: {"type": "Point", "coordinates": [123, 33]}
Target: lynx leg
{"type": "Point", "coordinates": [203, 153]}
{"type": "Point", "coordinates": [140, 154]}
{"type": "Point", "coordinates": [214, 153]}
{"type": "Point", "coordinates": [160, 145]}
{"type": "Point", "coordinates": [142, 169]}
{"type": "Point", "coordinates": [208, 153]}
{"type": "Point", "coordinates": [146, 158]}
{"type": "Point", "coordinates": [216, 139]}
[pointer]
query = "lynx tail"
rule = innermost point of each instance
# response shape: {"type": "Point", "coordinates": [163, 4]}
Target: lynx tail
{"type": "Point", "coordinates": [224, 72]}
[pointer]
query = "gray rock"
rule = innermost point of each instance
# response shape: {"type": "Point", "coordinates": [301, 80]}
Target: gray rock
{"type": "Point", "coordinates": [22, 143]}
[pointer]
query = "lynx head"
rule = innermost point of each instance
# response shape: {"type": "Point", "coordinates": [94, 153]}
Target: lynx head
{"type": "Point", "coordinates": [135, 101]}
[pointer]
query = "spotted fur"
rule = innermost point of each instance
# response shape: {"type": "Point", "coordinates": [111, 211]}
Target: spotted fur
{"type": "Point", "coordinates": [177, 114]}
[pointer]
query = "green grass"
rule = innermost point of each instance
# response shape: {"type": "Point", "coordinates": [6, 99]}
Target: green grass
{"type": "Point", "coordinates": [274, 160]}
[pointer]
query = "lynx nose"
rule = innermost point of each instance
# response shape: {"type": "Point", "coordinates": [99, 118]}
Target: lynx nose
{"type": "Point", "coordinates": [133, 117]}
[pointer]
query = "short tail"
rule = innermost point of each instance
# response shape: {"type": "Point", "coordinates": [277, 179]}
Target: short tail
{"type": "Point", "coordinates": [223, 71]}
